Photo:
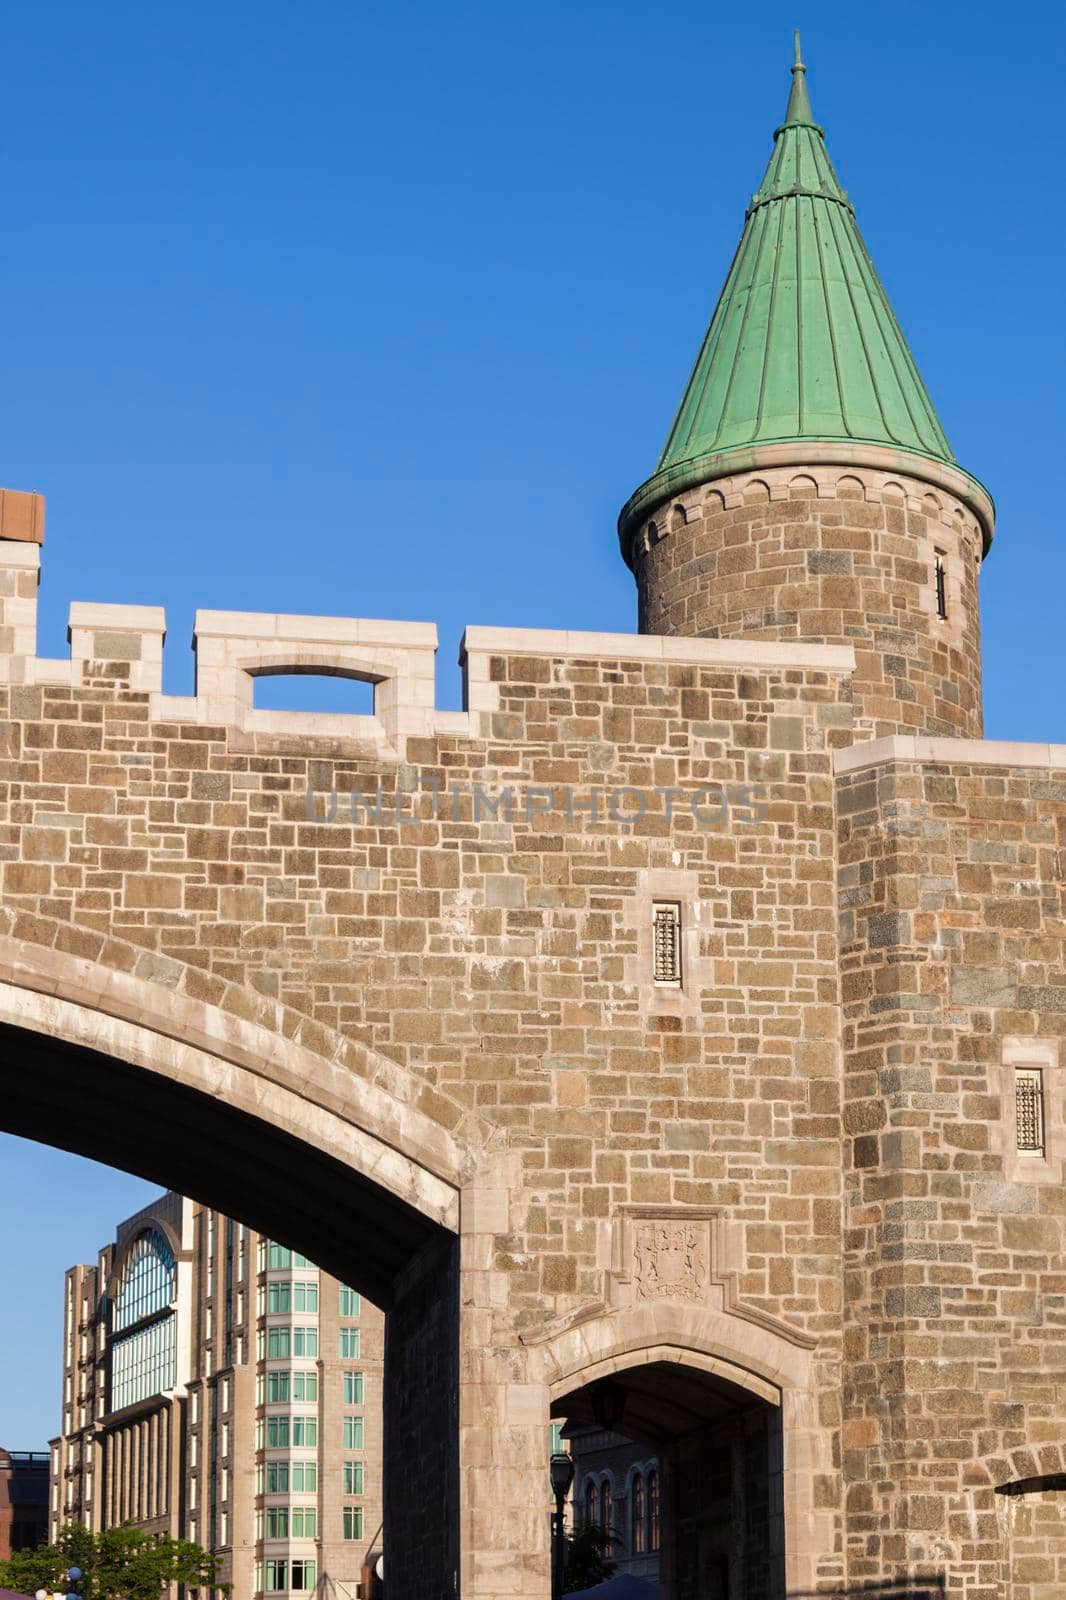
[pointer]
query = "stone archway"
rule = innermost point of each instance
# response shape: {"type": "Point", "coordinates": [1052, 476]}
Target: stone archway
{"type": "Point", "coordinates": [709, 1388]}
{"type": "Point", "coordinates": [214, 1105]}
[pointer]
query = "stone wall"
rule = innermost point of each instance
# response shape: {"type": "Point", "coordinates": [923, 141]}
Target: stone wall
{"type": "Point", "coordinates": [633, 1167]}
{"type": "Point", "coordinates": [497, 967]}
{"type": "Point", "coordinates": [842, 555]}
{"type": "Point", "coordinates": [953, 974]}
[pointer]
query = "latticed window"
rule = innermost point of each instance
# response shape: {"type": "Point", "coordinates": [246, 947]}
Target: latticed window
{"type": "Point", "coordinates": [666, 935]}
{"type": "Point", "coordinates": [654, 1513]}
{"type": "Point", "coordinates": [1029, 1109]}
{"type": "Point", "coordinates": [143, 1348]}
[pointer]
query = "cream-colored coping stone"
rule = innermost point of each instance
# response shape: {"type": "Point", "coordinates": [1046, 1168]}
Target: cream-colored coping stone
{"type": "Point", "coordinates": [268, 625]}
{"type": "Point", "coordinates": [656, 647]}
{"type": "Point", "coordinates": [796, 454]}
{"type": "Point", "coordinates": [101, 617]}
{"type": "Point", "coordinates": [957, 752]}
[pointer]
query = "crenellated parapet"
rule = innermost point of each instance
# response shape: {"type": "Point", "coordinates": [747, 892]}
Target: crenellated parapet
{"type": "Point", "coordinates": [121, 646]}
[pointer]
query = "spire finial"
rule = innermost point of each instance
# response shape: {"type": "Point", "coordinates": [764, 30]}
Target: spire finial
{"type": "Point", "coordinates": [799, 106]}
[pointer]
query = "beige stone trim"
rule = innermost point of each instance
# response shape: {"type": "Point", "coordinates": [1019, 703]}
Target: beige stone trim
{"type": "Point", "coordinates": [775, 466]}
{"type": "Point", "coordinates": [233, 648]}
{"type": "Point", "coordinates": [478, 642]}
{"type": "Point", "coordinates": [697, 972]}
{"type": "Point", "coordinates": [958, 752]}
{"type": "Point", "coordinates": [756, 1359]}
{"type": "Point", "coordinates": [93, 616]}
{"type": "Point", "coordinates": [101, 632]}
{"type": "Point", "coordinates": [1020, 1166]}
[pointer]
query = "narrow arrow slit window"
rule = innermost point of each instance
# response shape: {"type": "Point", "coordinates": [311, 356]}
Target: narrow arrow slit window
{"type": "Point", "coordinates": [940, 577]}
{"type": "Point", "coordinates": [1029, 1109]}
{"type": "Point", "coordinates": [666, 943]}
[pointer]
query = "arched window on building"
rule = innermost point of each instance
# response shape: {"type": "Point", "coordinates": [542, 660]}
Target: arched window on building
{"type": "Point", "coordinates": [654, 1513]}
{"type": "Point", "coordinates": [590, 1501]}
{"type": "Point", "coordinates": [143, 1342]}
{"type": "Point", "coordinates": [638, 1541]}
{"type": "Point", "coordinates": [606, 1517]}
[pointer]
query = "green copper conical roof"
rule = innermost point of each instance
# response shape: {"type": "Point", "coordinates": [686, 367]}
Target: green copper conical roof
{"type": "Point", "coordinates": [803, 345]}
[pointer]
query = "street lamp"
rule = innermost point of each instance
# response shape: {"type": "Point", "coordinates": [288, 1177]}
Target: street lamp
{"type": "Point", "coordinates": [562, 1476]}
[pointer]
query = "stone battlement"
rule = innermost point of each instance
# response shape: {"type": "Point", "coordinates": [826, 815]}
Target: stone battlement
{"type": "Point", "coordinates": [123, 644]}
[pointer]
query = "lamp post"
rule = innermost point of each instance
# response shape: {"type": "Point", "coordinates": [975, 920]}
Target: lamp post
{"type": "Point", "coordinates": [562, 1476]}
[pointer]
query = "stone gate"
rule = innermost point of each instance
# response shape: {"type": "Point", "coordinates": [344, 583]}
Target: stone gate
{"type": "Point", "coordinates": [686, 1012]}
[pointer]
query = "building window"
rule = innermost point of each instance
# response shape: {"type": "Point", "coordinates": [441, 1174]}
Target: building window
{"type": "Point", "coordinates": [350, 1303]}
{"type": "Point", "coordinates": [146, 1285]}
{"type": "Point", "coordinates": [279, 1344]}
{"type": "Point", "coordinates": [277, 1387]}
{"type": "Point", "coordinates": [277, 1522]}
{"type": "Point", "coordinates": [143, 1355]}
{"type": "Point", "coordinates": [304, 1522]}
{"type": "Point", "coordinates": [143, 1363]}
{"type": "Point", "coordinates": [666, 933]}
{"type": "Point", "coordinates": [1029, 1109]}
{"type": "Point", "coordinates": [305, 1297]}
{"type": "Point", "coordinates": [304, 1477]}
{"type": "Point", "coordinates": [305, 1341]}
{"type": "Point", "coordinates": [349, 1344]}
{"type": "Point", "coordinates": [353, 1433]}
{"type": "Point", "coordinates": [277, 1477]}
{"type": "Point", "coordinates": [940, 576]}
{"type": "Point", "coordinates": [590, 1501]}
{"type": "Point", "coordinates": [639, 1531]}
{"type": "Point", "coordinates": [654, 1511]}
{"type": "Point", "coordinates": [278, 1258]}
{"type": "Point", "coordinates": [277, 1434]}
{"type": "Point", "coordinates": [305, 1385]}
{"type": "Point", "coordinates": [305, 1432]}
{"type": "Point", "coordinates": [277, 1576]}
{"type": "Point", "coordinates": [353, 1477]}
{"type": "Point", "coordinates": [353, 1388]}
{"type": "Point", "coordinates": [304, 1575]}
{"type": "Point", "coordinates": [279, 1298]}
{"type": "Point", "coordinates": [606, 1505]}
{"type": "Point", "coordinates": [353, 1522]}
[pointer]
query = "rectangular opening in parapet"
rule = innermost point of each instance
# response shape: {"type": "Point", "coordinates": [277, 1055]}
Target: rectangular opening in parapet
{"type": "Point", "coordinates": [313, 691]}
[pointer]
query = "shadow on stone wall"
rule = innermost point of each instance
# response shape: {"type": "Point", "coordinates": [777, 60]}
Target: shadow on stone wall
{"type": "Point", "coordinates": [879, 1589]}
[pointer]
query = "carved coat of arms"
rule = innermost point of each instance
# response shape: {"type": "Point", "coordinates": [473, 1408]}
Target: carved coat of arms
{"type": "Point", "coordinates": [670, 1261]}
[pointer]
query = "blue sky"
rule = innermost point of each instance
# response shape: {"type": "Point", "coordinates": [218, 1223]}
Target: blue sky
{"type": "Point", "coordinates": [384, 310]}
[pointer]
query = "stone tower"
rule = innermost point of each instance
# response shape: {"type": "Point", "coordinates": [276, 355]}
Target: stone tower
{"type": "Point", "coordinates": [806, 489]}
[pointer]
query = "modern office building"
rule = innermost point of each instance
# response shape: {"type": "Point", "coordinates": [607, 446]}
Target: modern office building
{"type": "Point", "coordinates": [23, 1500]}
{"type": "Point", "coordinates": [218, 1387]}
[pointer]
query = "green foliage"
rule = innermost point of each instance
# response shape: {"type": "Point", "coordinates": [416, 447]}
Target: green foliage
{"type": "Point", "coordinates": [586, 1557]}
{"type": "Point", "coordinates": [119, 1564]}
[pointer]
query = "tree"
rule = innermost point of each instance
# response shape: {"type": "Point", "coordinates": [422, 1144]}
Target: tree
{"type": "Point", "coordinates": [118, 1564]}
{"type": "Point", "coordinates": [586, 1557]}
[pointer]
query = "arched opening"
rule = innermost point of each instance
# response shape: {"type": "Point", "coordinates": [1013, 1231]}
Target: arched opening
{"type": "Point", "coordinates": [289, 1183]}
{"type": "Point", "coordinates": [313, 689]}
{"type": "Point", "coordinates": [700, 1458]}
